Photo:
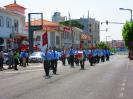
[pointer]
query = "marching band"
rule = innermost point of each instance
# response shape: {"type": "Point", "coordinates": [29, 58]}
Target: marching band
{"type": "Point", "coordinates": [78, 56]}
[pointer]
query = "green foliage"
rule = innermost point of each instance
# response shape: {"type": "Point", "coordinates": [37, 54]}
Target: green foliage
{"type": "Point", "coordinates": [103, 45]}
{"type": "Point", "coordinates": [127, 33]}
{"type": "Point", "coordinates": [73, 23]}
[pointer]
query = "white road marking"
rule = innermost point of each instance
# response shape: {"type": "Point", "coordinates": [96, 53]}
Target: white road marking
{"type": "Point", "coordinates": [122, 89]}
{"type": "Point", "coordinates": [125, 80]}
{"type": "Point", "coordinates": [121, 95]}
{"type": "Point", "coordinates": [123, 84]}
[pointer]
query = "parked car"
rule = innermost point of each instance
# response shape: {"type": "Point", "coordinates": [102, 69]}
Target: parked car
{"type": "Point", "coordinates": [36, 57]}
{"type": "Point", "coordinates": [112, 53]}
{"type": "Point", "coordinates": [5, 58]}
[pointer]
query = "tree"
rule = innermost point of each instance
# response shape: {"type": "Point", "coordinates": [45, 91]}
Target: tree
{"type": "Point", "coordinates": [127, 33]}
{"type": "Point", "coordinates": [73, 23]}
{"type": "Point", "coordinates": [103, 45]}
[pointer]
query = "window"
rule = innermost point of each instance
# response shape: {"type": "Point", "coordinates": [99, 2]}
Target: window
{"type": "Point", "coordinates": [57, 40]}
{"type": "Point", "coordinates": [16, 25]}
{"type": "Point", "coordinates": [8, 22]}
{"type": "Point", "coordinates": [1, 21]}
{"type": "Point", "coordinates": [90, 30]}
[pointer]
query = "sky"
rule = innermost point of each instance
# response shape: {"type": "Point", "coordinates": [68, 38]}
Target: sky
{"type": "Point", "coordinates": [101, 10]}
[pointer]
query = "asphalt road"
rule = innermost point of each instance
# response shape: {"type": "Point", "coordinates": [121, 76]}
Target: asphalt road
{"type": "Point", "coordinates": [108, 80]}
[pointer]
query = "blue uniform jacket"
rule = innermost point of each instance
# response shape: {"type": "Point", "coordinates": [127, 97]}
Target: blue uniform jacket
{"type": "Point", "coordinates": [54, 55]}
{"type": "Point", "coordinates": [46, 56]}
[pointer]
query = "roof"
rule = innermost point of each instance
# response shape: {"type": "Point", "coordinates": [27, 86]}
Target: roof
{"type": "Point", "coordinates": [48, 25]}
{"type": "Point", "coordinates": [14, 5]}
{"type": "Point", "coordinates": [45, 23]}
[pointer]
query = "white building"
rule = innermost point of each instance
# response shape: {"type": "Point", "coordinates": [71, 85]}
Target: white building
{"type": "Point", "coordinates": [58, 36]}
{"type": "Point", "coordinates": [76, 37]}
{"type": "Point", "coordinates": [12, 22]}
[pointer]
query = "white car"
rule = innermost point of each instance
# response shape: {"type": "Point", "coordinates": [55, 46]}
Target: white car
{"type": "Point", "coordinates": [36, 57]}
{"type": "Point", "coordinates": [5, 58]}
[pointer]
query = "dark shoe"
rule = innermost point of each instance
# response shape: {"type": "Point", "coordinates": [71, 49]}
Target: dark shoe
{"type": "Point", "coordinates": [9, 67]}
{"type": "Point", "coordinates": [54, 73]}
{"type": "Point", "coordinates": [1, 69]}
{"type": "Point", "coordinates": [82, 69]}
{"type": "Point", "coordinates": [47, 77]}
{"type": "Point", "coordinates": [15, 69]}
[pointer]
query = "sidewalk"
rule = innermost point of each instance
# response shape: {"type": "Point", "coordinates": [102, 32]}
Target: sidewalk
{"type": "Point", "coordinates": [30, 66]}
{"type": "Point", "coordinates": [129, 81]}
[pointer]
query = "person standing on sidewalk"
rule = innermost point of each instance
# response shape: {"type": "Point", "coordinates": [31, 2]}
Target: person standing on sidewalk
{"type": "Point", "coordinates": [24, 56]}
{"type": "Point", "coordinates": [1, 60]}
{"type": "Point", "coordinates": [16, 59]}
{"type": "Point", "coordinates": [46, 63]}
{"type": "Point", "coordinates": [10, 59]}
{"type": "Point", "coordinates": [27, 58]}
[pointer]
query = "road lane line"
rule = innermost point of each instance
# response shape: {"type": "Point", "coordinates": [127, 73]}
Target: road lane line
{"type": "Point", "coordinates": [122, 89]}
{"type": "Point", "coordinates": [123, 84]}
{"type": "Point", "coordinates": [125, 80]}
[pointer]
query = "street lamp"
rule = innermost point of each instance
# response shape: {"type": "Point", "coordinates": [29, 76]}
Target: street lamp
{"type": "Point", "coordinates": [128, 10]}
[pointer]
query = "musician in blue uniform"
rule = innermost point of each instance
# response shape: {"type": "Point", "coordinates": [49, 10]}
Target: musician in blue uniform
{"type": "Point", "coordinates": [107, 54]}
{"type": "Point", "coordinates": [76, 57]}
{"type": "Point", "coordinates": [71, 56]}
{"type": "Point", "coordinates": [90, 57]}
{"type": "Point", "coordinates": [63, 56]}
{"type": "Point", "coordinates": [55, 58]}
{"type": "Point", "coordinates": [46, 63]}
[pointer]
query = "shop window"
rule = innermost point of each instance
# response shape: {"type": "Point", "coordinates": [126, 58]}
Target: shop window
{"type": "Point", "coordinates": [16, 25]}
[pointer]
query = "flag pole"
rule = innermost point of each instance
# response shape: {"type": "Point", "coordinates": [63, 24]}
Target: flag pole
{"type": "Point", "coordinates": [47, 37]}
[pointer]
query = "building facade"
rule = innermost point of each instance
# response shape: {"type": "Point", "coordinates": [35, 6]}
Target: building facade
{"type": "Point", "coordinates": [12, 23]}
{"type": "Point", "coordinates": [92, 28]}
{"type": "Point", "coordinates": [57, 35]}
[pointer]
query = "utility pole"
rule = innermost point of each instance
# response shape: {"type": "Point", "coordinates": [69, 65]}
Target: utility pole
{"type": "Point", "coordinates": [70, 25]}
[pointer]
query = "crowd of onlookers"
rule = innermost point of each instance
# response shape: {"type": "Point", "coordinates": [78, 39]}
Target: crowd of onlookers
{"type": "Point", "coordinates": [15, 58]}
